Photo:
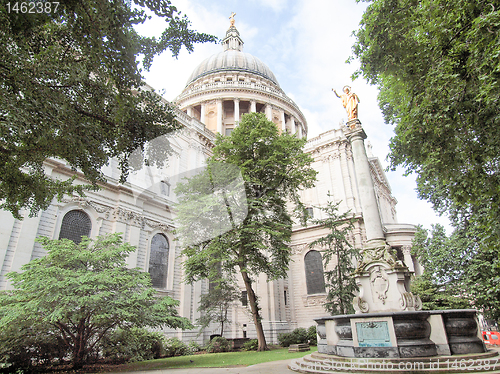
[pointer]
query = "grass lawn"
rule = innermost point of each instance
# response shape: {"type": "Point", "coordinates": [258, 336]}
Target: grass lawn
{"type": "Point", "coordinates": [212, 360]}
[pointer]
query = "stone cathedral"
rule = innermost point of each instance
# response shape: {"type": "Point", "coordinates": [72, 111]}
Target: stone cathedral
{"type": "Point", "coordinates": [219, 91]}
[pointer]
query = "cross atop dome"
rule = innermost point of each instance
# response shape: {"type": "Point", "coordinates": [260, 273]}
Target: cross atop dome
{"type": "Point", "coordinates": [232, 41]}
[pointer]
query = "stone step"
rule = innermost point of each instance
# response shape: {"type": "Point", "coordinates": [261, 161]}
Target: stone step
{"type": "Point", "coordinates": [299, 348]}
{"type": "Point", "coordinates": [488, 362]}
{"type": "Point", "coordinates": [491, 353]}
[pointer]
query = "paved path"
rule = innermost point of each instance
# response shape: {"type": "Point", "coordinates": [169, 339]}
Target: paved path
{"type": "Point", "coordinates": [273, 367]}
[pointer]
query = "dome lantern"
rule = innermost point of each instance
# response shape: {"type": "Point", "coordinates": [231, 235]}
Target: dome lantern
{"type": "Point", "coordinates": [232, 41]}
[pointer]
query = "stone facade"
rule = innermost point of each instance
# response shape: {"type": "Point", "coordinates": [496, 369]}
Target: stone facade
{"type": "Point", "coordinates": [219, 92]}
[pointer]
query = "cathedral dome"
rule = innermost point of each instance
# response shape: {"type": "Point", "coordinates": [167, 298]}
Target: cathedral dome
{"type": "Point", "coordinates": [231, 83]}
{"type": "Point", "coordinates": [232, 60]}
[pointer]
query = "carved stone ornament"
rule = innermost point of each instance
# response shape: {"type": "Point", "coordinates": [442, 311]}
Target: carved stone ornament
{"type": "Point", "coordinates": [313, 300]}
{"type": "Point", "coordinates": [379, 283]}
{"type": "Point", "coordinates": [382, 253]}
{"type": "Point", "coordinates": [409, 301]}
{"type": "Point", "coordinates": [360, 305]}
{"type": "Point", "coordinates": [84, 203]}
{"type": "Point", "coordinates": [298, 249]}
{"type": "Point", "coordinates": [406, 249]}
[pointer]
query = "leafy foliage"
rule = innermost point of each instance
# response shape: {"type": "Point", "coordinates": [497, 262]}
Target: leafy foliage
{"type": "Point", "coordinates": [215, 305]}
{"type": "Point", "coordinates": [298, 336]}
{"type": "Point", "coordinates": [273, 168]}
{"type": "Point", "coordinates": [176, 347]}
{"type": "Point", "coordinates": [24, 346]}
{"type": "Point", "coordinates": [251, 345]}
{"type": "Point", "coordinates": [442, 285]}
{"type": "Point", "coordinates": [312, 335]}
{"type": "Point", "coordinates": [72, 89]}
{"type": "Point", "coordinates": [134, 344]}
{"type": "Point", "coordinates": [436, 64]}
{"type": "Point", "coordinates": [218, 344]}
{"type": "Point", "coordinates": [337, 247]}
{"type": "Point", "coordinates": [80, 293]}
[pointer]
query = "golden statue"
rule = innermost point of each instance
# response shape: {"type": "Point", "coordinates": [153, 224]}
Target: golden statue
{"type": "Point", "coordinates": [350, 102]}
{"type": "Point", "coordinates": [231, 17]}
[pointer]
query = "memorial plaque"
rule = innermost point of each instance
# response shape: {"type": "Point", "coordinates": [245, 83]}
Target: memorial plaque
{"type": "Point", "coordinates": [373, 334]}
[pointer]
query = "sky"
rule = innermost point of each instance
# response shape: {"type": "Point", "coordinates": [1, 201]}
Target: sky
{"type": "Point", "coordinates": [306, 44]}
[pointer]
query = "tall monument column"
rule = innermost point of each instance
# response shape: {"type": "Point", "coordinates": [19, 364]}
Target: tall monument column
{"type": "Point", "coordinates": [382, 279]}
{"type": "Point", "coordinates": [371, 217]}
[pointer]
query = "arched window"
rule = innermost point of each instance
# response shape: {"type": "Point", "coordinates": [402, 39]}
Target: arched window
{"type": "Point", "coordinates": [158, 261]}
{"type": "Point", "coordinates": [75, 224]}
{"type": "Point", "coordinates": [315, 279]}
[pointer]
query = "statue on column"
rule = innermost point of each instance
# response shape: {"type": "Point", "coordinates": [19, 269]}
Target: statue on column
{"type": "Point", "coordinates": [350, 102]}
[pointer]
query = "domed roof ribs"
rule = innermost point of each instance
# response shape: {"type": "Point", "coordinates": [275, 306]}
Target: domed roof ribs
{"type": "Point", "coordinates": [232, 58]}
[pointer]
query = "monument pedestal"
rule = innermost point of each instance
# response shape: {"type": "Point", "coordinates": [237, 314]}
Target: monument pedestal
{"type": "Point", "coordinates": [408, 334]}
{"type": "Point", "coordinates": [383, 282]}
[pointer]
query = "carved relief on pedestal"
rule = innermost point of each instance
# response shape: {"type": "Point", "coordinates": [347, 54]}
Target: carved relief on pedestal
{"type": "Point", "coordinates": [380, 253]}
{"type": "Point", "coordinates": [360, 305]}
{"type": "Point", "coordinates": [379, 284]}
{"type": "Point", "coordinates": [409, 301]}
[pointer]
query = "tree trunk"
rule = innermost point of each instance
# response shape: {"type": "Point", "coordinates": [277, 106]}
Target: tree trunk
{"type": "Point", "coordinates": [252, 300]}
{"type": "Point", "coordinates": [79, 352]}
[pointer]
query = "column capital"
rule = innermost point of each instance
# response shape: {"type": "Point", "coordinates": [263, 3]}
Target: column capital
{"type": "Point", "coordinates": [355, 133]}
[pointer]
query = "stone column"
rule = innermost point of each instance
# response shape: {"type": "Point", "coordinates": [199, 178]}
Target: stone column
{"type": "Point", "coordinates": [219, 116]}
{"type": "Point", "coordinates": [282, 118]}
{"type": "Point", "coordinates": [293, 128]}
{"type": "Point", "coordinates": [189, 111]}
{"type": "Point", "coordinates": [134, 234]}
{"type": "Point", "coordinates": [269, 112]}
{"type": "Point", "coordinates": [408, 259]}
{"type": "Point", "coordinates": [26, 235]}
{"type": "Point", "coordinates": [366, 189]}
{"type": "Point", "coordinates": [383, 280]}
{"type": "Point", "coordinates": [253, 106]}
{"type": "Point", "coordinates": [299, 130]}
{"type": "Point", "coordinates": [236, 111]}
{"type": "Point", "coordinates": [202, 113]}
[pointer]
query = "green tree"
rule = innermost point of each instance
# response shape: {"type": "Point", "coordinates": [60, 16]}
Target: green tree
{"type": "Point", "coordinates": [215, 305]}
{"type": "Point", "coordinates": [72, 89]}
{"type": "Point", "coordinates": [436, 65]}
{"type": "Point", "coordinates": [443, 282]}
{"type": "Point", "coordinates": [336, 247]}
{"type": "Point", "coordinates": [80, 293]}
{"type": "Point", "coordinates": [258, 228]}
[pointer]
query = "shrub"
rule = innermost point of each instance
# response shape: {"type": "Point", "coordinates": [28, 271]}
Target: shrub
{"type": "Point", "coordinates": [251, 345]}
{"type": "Point", "coordinates": [176, 347]}
{"type": "Point", "coordinates": [134, 344]}
{"type": "Point", "coordinates": [312, 337]}
{"type": "Point", "coordinates": [297, 336]}
{"type": "Point", "coordinates": [194, 347]}
{"type": "Point", "coordinates": [218, 344]}
{"type": "Point", "coordinates": [22, 347]}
